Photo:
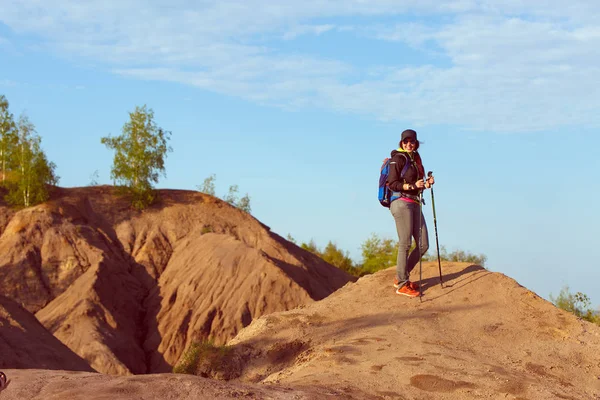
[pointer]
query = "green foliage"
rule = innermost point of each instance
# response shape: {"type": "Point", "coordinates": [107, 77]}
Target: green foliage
{"type": "Point", "coordinates": [244, 204]}
{"type": "Point", "coordinates": [187, 364]}
{"type": "Point", "coordinates": [232, 197]}
{"type": "Point", "coordinates": [378, 254]}
{"type": "Point", "coordinates": [140, 153]}
{"type": "Point", "coordinates": [25, 170]}
{"type": "Point", "coordinates": [334, 256]}
{"type": "Point", "coordinates": [32, 170]}
{"type": "Point", "coordinates": [456, 256]}
{"type": "Point", "coordinates": [341, 259]}
{"type": "Point", "coordinates": [208, 186]}
{"type": "Point", "coordinates": [290, 238]}
{"type": "Point", "coordinates": [8, 139]}
{"type": "Point", "coordinates": [312, 247]}
{"type": "Point", "coordinates": [204, 359]}
{"type": "Point", "coordinates": [578, 304]}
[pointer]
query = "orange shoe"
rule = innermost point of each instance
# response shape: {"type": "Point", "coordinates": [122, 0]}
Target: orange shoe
{"type": "Point", "coordinates": [407, 291]}
{"type": "Point", "coordinates": [413, 285]}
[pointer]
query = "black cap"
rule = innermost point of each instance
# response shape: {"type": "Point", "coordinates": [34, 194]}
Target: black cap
{"type": "Point", "coordinates": [409, 133]}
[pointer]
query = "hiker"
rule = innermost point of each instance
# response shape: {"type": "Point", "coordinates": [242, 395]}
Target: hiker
{"type": "Point", "coordinates": [407, 181]}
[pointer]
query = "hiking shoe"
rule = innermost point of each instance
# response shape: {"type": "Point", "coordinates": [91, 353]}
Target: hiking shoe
{"type": "Point", "coordinates": [407, 291]}
{"type": "Point", "coordinates": [413, 285]}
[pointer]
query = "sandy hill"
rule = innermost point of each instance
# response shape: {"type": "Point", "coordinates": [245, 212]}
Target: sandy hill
{"type": "Point", "coordinates": [481, 336]}
{"type": "Point", "coordinates": [25, 343]}
{"type": "Point", "coordinates": [128, 291]}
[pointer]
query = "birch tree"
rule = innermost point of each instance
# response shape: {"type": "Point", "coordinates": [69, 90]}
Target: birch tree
{"type": "Point", "coordinates": [208, 186]}
{"type": "Point", "coordinates": [140, 153]}
{"type": "Point", "coordinates": [33, 172]}
{"type": "Point", "coordinates": [8, 138]}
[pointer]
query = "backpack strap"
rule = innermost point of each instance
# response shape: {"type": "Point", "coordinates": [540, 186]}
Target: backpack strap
{"type": "Point", "coordinates": [397, 195]}
{"type": "Point", "coordinates": [408, 162]}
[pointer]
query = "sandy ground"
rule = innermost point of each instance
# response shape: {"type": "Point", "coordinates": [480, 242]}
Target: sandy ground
{"type": "Point", "coordinates": [63, 385]}
{"type": "Point", "coordinates": [481, 336]}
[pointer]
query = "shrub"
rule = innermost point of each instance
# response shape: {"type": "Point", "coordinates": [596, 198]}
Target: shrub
{"type": "Point", "coordinates": [455, 256]}
{"type": "Point", "coordinates": [578, 304]}
{"type": "Point", "coordinates": [210, 361]}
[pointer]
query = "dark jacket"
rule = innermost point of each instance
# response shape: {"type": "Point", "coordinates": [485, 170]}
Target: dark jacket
{"type": "Point", "coordinates": [412, 175]}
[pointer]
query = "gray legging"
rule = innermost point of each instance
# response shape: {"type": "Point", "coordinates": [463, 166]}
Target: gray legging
{"type": "Point", "coordinates": [406, 216]}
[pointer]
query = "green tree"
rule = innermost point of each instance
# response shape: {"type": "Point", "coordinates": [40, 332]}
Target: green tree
{"type": "Point", "coordinates": [140, 153]}
{"type": "Point", "coordinates": [578, 304]}
{"type": "Point", "coordinates": [8, 138]}
{"type": "Point", "coordinates": [378, 254]}
{"type": "Point", "coordinates": [33, 171]}
{"type": "Point", "coordinates": [311, 246]}
{"type": "Point", "coordinates": [231, 197]}
{"type": "Point", "coordinates": [208, 186]}
{"type": "Point", "coordinates": [339, 258]}
{"type": "Point", "coordinates": [244, 204]}
{"type": "Point", "coordinates": [333, 255]}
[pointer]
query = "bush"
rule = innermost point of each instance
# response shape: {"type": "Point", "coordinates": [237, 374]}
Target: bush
{"type": "Point", "coordinates": [456, 256]}
{"type": "Point", "coordinates": [209, 361]}
{"type": "Point", "coordinates": [208, 187]}
{"type": "Point", "coordinates": [578, 304]}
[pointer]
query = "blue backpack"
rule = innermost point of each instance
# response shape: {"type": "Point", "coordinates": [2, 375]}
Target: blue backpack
{"type": "Point", "coordinates": [387, 195]}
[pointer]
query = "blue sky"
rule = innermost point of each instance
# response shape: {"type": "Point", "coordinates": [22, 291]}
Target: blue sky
{"type": "Point", "coordinates": [298, 102]}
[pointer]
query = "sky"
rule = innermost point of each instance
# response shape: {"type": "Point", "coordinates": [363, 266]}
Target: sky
{"type": "Point", "coordinates": [298, 103]}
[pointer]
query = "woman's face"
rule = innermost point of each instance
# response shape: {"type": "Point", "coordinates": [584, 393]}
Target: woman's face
{"type": "Point", "coordinates": [409, 144]}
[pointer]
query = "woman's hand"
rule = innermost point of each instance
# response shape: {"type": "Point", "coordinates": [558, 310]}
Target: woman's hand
{"type": "Point", "coordinates": [430, 181]}
{"type": "Point", "coordinates": [420, 184]}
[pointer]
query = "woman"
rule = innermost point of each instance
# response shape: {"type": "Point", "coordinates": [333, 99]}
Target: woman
{"type": "Point", "coordinates": [407, 180]}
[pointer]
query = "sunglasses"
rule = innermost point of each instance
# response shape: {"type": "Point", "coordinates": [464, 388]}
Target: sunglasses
{"type": "Point", "coordinates": [409, 140]}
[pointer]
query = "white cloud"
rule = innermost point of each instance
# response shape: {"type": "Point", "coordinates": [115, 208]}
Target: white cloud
{"type": "Point", "coordinates": [300, 30]}
{"type": "Point", "coordinates": [494, 65]}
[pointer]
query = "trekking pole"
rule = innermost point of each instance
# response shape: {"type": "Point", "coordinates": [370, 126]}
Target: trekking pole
{"type": "Point", "coordinates": [437, 243]}
{"type": "Point", "coordinates": [419, 245]}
